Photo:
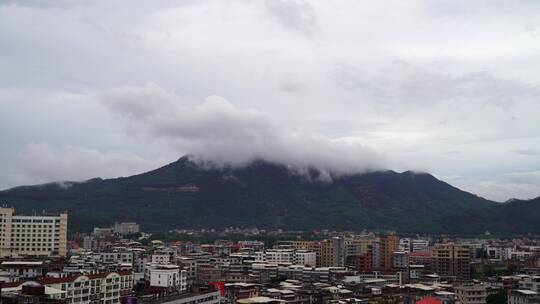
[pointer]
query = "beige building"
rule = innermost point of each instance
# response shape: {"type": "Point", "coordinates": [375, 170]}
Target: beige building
{"type": "Point", "coordinates": [329, 253]}
{"type": "Point", "coordinates": [388, 245]}
{"type": "Point", "coordinates": [452, 261]}
{"type": "Point", "coordinates": [37, 235]}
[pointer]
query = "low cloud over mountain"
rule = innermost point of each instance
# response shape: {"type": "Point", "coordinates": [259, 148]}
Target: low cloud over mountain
{"type": "Point", "coordinates": [219, 132]}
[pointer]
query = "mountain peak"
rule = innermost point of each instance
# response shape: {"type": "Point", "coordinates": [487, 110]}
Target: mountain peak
{"type": "Point", "coordinates": [193, 193]}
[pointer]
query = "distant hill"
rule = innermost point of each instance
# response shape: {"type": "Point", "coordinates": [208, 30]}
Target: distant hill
{"type": "Point", "coordinates": [512, 217]}
{"type": "Point", "coordinates": [262, 194]}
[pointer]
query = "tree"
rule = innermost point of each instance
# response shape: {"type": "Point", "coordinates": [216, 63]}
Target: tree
{"type": "Point", "coordinates": [481, 253]}
{"type": "Point", "coordinates": [497, 298]}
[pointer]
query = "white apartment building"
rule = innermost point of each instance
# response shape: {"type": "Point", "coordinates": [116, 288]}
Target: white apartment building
{"type": "Point", "coordinates": [305, 258]}
{"type": "Point", "coordinates": [530, 283]}
{"type": "Point", "coordinates": [38, 235]}
{"type": "Point", "coordinates": [102, 288]}
{"type": "Point", "coordinates": [121, 257]}
{"type": "Point", "coordinates": [405, 244]}
{"type": "Point", "coordinates": [287, 256]}
{"type": "Point", "coordinates": [168, 276]}
{"type": "Point", "coordinates": [499, 253]}
{"type": "Point", "coordinates": [420, 245]}
{"type": "Point", "coordinates": [126, 228]}
{"type": "Point", "coordinates": [275, 256]}
{"type": "Point", "coordinates": [161, 259]}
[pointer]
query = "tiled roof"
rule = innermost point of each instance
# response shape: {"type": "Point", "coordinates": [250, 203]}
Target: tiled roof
{"type": "Point", "coordinates": [102, 275]}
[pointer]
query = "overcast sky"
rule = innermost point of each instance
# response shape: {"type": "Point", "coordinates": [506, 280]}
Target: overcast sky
{"type": "Point", "coordinates": [113, 88]}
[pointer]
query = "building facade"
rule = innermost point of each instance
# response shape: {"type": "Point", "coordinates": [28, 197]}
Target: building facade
{"type": "Point", "coordinates": [38, 235]}
{"type": "Point", "coordinates": [100, 288]}
{"type": "Point", "coordinates": [126, 228]}
{"type": "Point", "coordinates": [471, 294]}
{"type": "Point", "coordinates": [388, 245]}
{"type": "Point", "coordinates": [167, 276]}
{"type": "Point", "coordinates": [452, 261]}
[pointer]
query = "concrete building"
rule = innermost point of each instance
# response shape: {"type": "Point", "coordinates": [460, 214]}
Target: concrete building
{"type": "Point", "coordinates": [90, 243]}
{"type": "Point", "coordinates": [523, 296]}
{"type": "Point", "coordinates": [361, 263]}
{"type": "Point", "coordinates": [211, 297]}
{"type": "Point", "coordinates": [376, 255]}
{"type": "Point", "coordinates": [388, 245]}
{"type": "Point", "coordinates": [106, 288]}
{"type": "Point", "coordinates": [190, 266]}
{"type": "Point", "coordinates": [332, 252]}
{"type": "Point", "coordinates": [161, 258]}
{"type": "Point", "coordinates": [358, 252]}
{"type": "Point", "coordinates": [126, 228]}
{"type": "Point", "coordinates": [499, 253]}
{"type": "Point", "coordinates": [32, 292]}
{"type": "Point", "coordinates": [420, 246]}
{"type": "Point", "coordinates": [452, 261]}
{"type": "Point", "coordinates": [530, 283]}
{"type": "Point", "coordinates": [401, 260]}
{"type": "Point", "coordinates": [118, 257]}
{"type": "Point", "coordinates": [38, 235]}
{"type": "Point", "coordinates": [167, 276]}
{"type": "Point", "coordinates": [14, 271]}
{"type": "Point", "coordinates": [305, 257]}
{"type": "Point", "coordinates": [405, 244]}
{"type": "Point", "coordinates": [471, 294]}
{"type": "Point", "coordinates": [275, 256]}
{"type": "Point", "coordinates": [290, 256]}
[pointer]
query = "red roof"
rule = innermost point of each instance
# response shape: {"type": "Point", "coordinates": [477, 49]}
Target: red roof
{"type": "Point", "coordinates": [8, 285]}
{"type": "Point", "coordinates": [429, 300]}
{"type": "Point", "coordinates": [51, 280]}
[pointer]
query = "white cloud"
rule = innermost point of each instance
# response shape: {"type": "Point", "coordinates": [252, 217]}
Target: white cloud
{"type": "Point", "coordinates": [519, 185]}
{"type": "Point", "coordinates": [295, 14]}
{"type": "Point", "coordinates": [218, 131]}
{"type": "Point", "coordinates": [413, 80]}
{"type": "Point", "coordinates": [41, 163]}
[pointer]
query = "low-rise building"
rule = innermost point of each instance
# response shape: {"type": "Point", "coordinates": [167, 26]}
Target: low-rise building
{"type": "Point", "coordinates": [530, 283]}
{"type": "Point", "coordinates": [523, 296]}
{"type": "Point", "coordinates": [14, 271]}
{"type": "Point", "coordinates": [105, 288]}
{"type": "Point", "coordinates": [126, 228]}
{"type": "Point", "coordinates": [471, 293]}
{"type": "Point", "coordinates": [166, 276]}
{"type": "Point", "coordinates": [291, 256]}
{"type": "Point", "coordinates": [161, 258]}
{"type": "Point", "coordinates": [210, 297]}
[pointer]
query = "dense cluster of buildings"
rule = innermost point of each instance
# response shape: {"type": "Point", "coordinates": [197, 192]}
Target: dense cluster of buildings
{"type": "Point", "coordinates": [121, 264]}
